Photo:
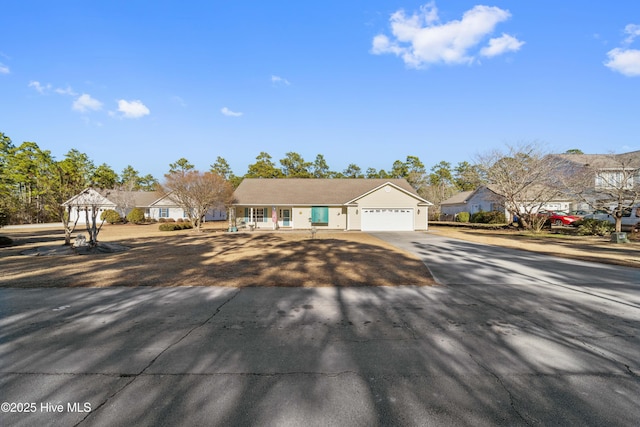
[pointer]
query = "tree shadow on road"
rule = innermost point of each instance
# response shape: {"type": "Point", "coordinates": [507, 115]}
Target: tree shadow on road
{"type": "Point", "coordinates": [337, 356]}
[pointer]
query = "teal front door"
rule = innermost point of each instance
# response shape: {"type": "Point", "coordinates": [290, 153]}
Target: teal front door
{"type": "Point", "coordinates": [285, 214]}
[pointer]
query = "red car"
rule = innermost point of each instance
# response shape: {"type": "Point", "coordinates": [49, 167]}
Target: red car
{"type": "Point", "coordinates": [559, 217]}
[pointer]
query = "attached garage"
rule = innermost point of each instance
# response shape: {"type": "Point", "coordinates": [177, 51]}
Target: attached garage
{"type": "Point", "coordinates": [387, 219]}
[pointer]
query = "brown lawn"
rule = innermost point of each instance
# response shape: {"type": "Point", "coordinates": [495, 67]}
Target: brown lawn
{"type": "Point", "coordinates": [211, 258]}
{"type": "Point", "coordinates": [587, 248]}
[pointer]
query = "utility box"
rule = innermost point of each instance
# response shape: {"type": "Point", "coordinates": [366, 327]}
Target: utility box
{"type": "Point", "coordinates": [619, 237]}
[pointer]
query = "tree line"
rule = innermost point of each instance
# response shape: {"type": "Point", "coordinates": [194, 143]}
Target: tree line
{"type": "Point", "coordinates": [34, 184]}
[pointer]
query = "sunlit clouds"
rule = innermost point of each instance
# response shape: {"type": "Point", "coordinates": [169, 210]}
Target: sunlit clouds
{"type": "Point", "coordinates": [420, 39]}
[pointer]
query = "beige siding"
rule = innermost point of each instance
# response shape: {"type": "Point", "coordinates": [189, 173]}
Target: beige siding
{"type": "Point", "coordinates": [354, 218]}
{"type": "Point", "coordinates": [393, 198]}
{"type": "Point", "coordinates": [300, 218]}
{"type": "Point", "coordinates": [337, 218]}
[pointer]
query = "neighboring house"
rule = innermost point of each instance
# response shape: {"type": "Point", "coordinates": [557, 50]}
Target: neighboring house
{"type": "Point", "coordinates": [337, 204]}
{"type": "Point", "coordinates": [164, 207]}
{"type": "Point", "coordinates": [612, 170]}
{"type": "Point", "coordinates": [155, 204]}
{"type": "Point", "coordinates": [486, 200]}
{"type": "Point", "coordinates": [480, 199]}
{"type": "Point", "coordinates": [610, 176]}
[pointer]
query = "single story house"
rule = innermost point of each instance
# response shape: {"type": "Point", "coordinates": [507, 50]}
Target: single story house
{"type": "Point", "coordinates": [155, 204]}
{"type": "Point", "coordinates": [332, 204]}
{"type": "Point", "coordinates": [481, 199]}
{"type": "Point", "coordinates": [486, 200]}
{"type": "Point", "coordinates": [164, 207]}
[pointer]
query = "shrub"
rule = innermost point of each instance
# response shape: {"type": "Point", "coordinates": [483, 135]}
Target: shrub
{"type": "Point", "coordinates": [492, 217]}
{"type": "Point", "coordinates": [111, 216]}
{"type": "Point", "coordinates": [594, 227]}
{"type": "Point", "coordinates": [166, 226]}
{"type": "Point", "coordinates": [179, 220]}
{"type": "Point", "coordinates": [173, 226]}
{"type": "Point", "coordinates": [136, 215]}
{"type": "Point", "coordinates": [162, 220]}
{"type": "Point", "coordinates": [171, 220]}
{"type": "Point", "coordinates": [5, 241]}
{"type": "Point", "coordinates": [462, 217]}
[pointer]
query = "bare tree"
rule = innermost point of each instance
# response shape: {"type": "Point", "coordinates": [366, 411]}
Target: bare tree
{"type": "Point", "coordinates": [197, 192]}
{"type": "Point", "coordinates": [124, 200]}
{"type": "Point", "coordinates": [609, 182]}
{"type": "Point", "coordinates": [524, 176]}
{"type": "Point", "coordinates": [68, 225]}
{"type": "Point", "coordinates": [89, 201]}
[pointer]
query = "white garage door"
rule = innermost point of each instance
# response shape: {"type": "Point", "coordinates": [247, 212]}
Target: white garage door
{"type": "Point", "coordinates": [386, 219]}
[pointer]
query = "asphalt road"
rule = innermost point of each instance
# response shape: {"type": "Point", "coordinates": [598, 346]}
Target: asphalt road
{"type": "Point", "coordinates": [495, 344]}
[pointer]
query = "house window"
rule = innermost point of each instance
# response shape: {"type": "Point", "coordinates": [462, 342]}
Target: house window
{"type": "Point", "coordinates": [320, 215]}
{"type": "Point", "coordinates": [614, 179]}
{"type": "Point", "coordinates": [258, 215]}
{"type": "Point", "coordinates": [185, 214]}
{"type": "Point", "coordinates": [164, 213]}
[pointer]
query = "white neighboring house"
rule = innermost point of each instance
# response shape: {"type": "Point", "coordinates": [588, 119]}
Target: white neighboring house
{"type": "Point", "coordinates": [156, 205]}
{"type": "Point", "coordinates": [481, 199]}
{"type": "Point", "coordinates": [164, 207]}
{"type": "Point", "coordinates": [486, 200]}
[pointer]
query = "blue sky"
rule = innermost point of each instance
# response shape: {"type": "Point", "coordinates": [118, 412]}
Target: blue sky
{"type": "Point", "coordinates": [362, 81]}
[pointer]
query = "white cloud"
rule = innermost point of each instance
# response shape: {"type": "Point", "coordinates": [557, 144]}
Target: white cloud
{"type": "Point", "coordinates": [421, 40]}
{"type": "Point", "coordinates": [4, 69]}
{"type": "Point", "coordinates": [132, 109]}
{"type": "Point", "coordinates": [46, 88]}
{"type": "Point", "coordinates": [500, 45]}
{"type": "Point", "coordinates": [624, 61]}
{"type": "Point", "coordinates": [66, 91]}
{"type": "Point", "coordinates": [277, 80]}
{"type": "Point", "coordinates": [39, 87]}
{"type": "Point", "coordinates": [633, 31]}
{"type": "Point", "coordinates": [227, 112]}
{"type": "Point", "coordinates": [86, 103]}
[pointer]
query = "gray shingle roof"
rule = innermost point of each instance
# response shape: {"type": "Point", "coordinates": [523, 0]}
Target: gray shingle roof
{"type": "Point", "coordinates": [309, 191]}
{"type": "Point", "coordinates": [605, 161]}
{"type": "Point", "coordinates": [458, 198]}
{"type": "Point", "coordinates": [141, 199]}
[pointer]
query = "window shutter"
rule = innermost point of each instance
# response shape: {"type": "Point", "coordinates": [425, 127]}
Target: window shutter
{"type": "Point", "coordinates": [246, 214]}
{"type": "Point", "coordinates": [320, 215]}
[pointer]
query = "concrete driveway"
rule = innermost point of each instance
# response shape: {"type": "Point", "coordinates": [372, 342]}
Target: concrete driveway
{"type": "Point", "coordinates": [477, 352]}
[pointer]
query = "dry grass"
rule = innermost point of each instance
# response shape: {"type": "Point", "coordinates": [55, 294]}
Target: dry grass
{"type": "Point", "coordinates": [585, 248]}
{"type": "Point", "coordinates": [212, 258]}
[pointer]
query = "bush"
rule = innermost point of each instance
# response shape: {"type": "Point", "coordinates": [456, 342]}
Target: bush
{"type": "Point", "coordinates": [136, 215]}
{"type": "Point", "coordinates": [493, 217]}
{"type": "Point", "coordinates": [594, 227]}
{"type": "Point", "coordinates": [462, 217]}
{"type": "Point", "coordinates": [5, 241]}
{"type": "Point", "coordinates": [179, 220]}
{"type": "Point", "coordinates": [111, 216]}
{"type": "Point", "coordinates": [173, 226]}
